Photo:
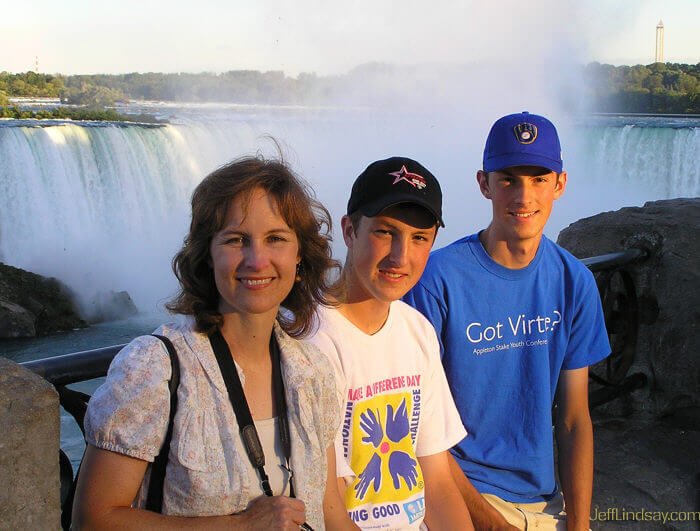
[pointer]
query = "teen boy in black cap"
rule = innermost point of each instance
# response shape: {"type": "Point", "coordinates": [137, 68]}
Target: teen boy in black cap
{"type": "Point", "coordinates": [399, 417]}
{"type": "Point", "coordinates": [519, 319]}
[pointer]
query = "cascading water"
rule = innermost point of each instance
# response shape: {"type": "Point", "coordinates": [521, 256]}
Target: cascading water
{"type": "Point", "coordinates": [665, 159]}
{"type": "Point", "coordinates": [105, 207]}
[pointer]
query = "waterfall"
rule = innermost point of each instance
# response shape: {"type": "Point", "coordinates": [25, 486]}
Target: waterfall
{"type": "Point", "coordinates": [665, 158]}
{"type": "Point", "coordinates": [105, 207]}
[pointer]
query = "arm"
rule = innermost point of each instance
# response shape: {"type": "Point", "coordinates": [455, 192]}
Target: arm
{"type": "Point", "coordinates": [445, 508]}
{"type": "Point", "coordinates": [334, 513]}
{"type": "Point", "coordinates": [574, 433]}
{"type": "Point", "coordinates": [109, 482]}
{"type": "Point", "coordinates": [483, 514]}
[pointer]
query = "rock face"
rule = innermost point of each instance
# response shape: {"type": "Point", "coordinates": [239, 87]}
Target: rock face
{"type": "Point", "coordinates": [33, 305]}
{"type": "Point", "coordinates": [16, 321]}
{"type": "Point", "coordinates": [109, 306]}
{"type": "Point", "coordinates": [29, 416]}
{"type": "Point", "coordinates": [667, 284]}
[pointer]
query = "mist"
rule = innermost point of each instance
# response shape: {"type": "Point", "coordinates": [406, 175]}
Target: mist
{"type": "Point", "coordinates": [106, 208]}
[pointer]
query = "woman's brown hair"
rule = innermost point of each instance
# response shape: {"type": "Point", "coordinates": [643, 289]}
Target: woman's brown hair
{"type": "Point", "coordinates": [310, 221]}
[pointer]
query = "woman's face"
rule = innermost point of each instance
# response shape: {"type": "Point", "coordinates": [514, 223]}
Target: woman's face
{"type": "Point", "coordinates": [254, 256]}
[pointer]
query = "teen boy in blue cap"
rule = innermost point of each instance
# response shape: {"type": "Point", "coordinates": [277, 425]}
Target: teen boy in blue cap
{"type": "Point", "coordinates": [519, 321]}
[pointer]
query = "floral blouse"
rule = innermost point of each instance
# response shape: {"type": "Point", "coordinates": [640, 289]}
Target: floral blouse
{"type": "Point", "coordinates": [206, 475]}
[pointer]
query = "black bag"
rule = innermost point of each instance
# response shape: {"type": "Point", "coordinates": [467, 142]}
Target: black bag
{"type": "Point", "coordinates": [75, 403]}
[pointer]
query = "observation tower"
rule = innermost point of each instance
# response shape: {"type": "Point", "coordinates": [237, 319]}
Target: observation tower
{"type": "Point", "coordinates": [659, 51]}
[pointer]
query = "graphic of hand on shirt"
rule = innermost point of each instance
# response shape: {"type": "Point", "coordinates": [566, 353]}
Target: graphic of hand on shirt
{"type": "Point", "coordinates": [372, 426]}
{"type": "Point", "coordinates": [396, 426]}
{"type": "Point", "coordinates": [403, 465]}
{"type": "Point", "coordinates": [400, 463]}
{"type": "Point", "coordinates": [371, 473]}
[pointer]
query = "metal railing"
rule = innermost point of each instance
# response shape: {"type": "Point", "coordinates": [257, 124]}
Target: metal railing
{"type": "Point", "coordinates": [75, 367]}
{"type": "Point", "coordinates": [618, 296]}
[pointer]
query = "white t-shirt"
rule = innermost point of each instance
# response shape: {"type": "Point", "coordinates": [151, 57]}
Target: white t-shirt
{"type": "Point", "coordinates": [396, 406]}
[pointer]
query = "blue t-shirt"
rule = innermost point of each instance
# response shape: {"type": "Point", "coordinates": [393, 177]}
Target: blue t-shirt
{"type": "Point", "coordinates": [505, 335]}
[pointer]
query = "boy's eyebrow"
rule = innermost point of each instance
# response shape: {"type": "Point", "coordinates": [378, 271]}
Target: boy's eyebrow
{"type": "Point", "coordinates": [539, 173]}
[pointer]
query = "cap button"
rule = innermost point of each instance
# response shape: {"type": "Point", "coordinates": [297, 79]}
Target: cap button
{"type": "Point", "coordinates": [525, 112]}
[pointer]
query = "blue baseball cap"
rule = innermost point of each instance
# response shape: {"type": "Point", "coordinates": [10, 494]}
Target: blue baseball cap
{"type": "Point", "coordinates": [523, 139]}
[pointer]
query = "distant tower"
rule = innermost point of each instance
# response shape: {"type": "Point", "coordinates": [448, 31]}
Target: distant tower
{"type": "Point", "coordinates": [36, 64]}
{"type": "Point", "coordinates": [659, 52]}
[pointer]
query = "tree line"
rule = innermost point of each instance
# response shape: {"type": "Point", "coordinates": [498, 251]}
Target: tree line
{"type": "Point", "coordinates": [653, 88]}
{"type": "Point", "coordinates": [671, 88]}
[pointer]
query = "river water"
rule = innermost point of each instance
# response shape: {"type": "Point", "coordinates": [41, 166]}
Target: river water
{"type": "Point", "coordinates": [104, 206]}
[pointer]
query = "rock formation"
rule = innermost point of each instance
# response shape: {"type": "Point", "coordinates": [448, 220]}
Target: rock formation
{"type": "Point", "coordinates": [667, 286]}
{"type": "Point", "coordinates": [33, 305]}
{"type": "Point", "coordinates": [109, 306]}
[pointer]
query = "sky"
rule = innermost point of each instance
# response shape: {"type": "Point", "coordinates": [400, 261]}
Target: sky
{"type": "Point", "coordinates": [84, 36]}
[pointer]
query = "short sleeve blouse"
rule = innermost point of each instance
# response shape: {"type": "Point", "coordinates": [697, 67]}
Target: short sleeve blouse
{"type": "Point", "coordinates": [206, 475]}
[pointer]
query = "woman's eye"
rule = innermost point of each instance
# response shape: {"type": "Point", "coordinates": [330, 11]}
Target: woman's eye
{"type": "Point", "coordinates": [234, 240]}
{"type": "Point", "coordinates": [275, 238]}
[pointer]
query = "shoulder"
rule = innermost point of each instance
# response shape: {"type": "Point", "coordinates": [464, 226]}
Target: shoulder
{"type": "Point", "coordinates": [411, 316]}
{"type": "Point", "coordinates": [443, 264]}
{"type": "Point", "coordinates": [411, 325]}
{"type": "Point", "coordinates": [576, 273]}
{"type": "Point", "coordinates": [330, 329]}
{"type": "Point", "coordinates": [303, 355]}
{"type": "Point", "coordinates": [181, 329]}
{"type": "Point", "coordinates": [445, 255]}
{"type": "Point", "coordinates": [446, 261]}
{"type": "Point", "coordinates": [144, 358]}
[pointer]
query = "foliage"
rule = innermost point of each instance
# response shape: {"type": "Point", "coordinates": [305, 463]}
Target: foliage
{"type": "Point", "coordinates": [670, 88]}
{"type": "Point", "coordinates": [653, 88]}
{"type": "Point", "coordinates": [30, 85]}
{"type": "Point", "coordinates": [75, 113]}
{"type": "Point", "coordinates": [92, 95]}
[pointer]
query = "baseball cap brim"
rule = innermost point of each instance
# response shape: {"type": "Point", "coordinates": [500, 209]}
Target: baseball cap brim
{"type": "Point", "coordinates": [521, 159]}
{"type": "Point", "coordinates": [373, 208]}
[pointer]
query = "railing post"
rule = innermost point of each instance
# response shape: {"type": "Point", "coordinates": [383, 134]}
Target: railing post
{"type": "Point", "coordinates": [29, 444]}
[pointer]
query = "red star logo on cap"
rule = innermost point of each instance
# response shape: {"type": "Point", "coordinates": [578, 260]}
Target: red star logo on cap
{"type": "Point", "coordinates": [415, 180]}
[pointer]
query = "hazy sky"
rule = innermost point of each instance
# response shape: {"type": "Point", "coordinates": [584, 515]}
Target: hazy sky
{"type": "Point", "coordinates": [88, 36]}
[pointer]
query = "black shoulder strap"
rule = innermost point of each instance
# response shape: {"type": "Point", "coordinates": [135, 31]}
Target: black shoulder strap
{"type": "Point", "coordinates": [154, 499]}
{"type": "Point", "coordinates": [281, 404]}
{"type": "Point", "coordinates": [249, 434]}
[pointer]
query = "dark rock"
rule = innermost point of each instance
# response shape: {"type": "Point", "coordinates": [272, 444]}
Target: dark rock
{"type": "Point", "coordinates": [46, 298]}
{"type": "Point", "coordinates": [109, 306]}
{"type": "Point", "coordinates": [16, 321]}
{"type": "Point", "coordinates": [667, 286]}
{"type": "Point", "coordinates": [29, 416]}
{"type": "Point", "coordinates": [644, 465]}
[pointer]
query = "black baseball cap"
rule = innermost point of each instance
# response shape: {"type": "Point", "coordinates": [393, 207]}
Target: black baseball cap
{"type": "Point", "coordinates": [392, 181]}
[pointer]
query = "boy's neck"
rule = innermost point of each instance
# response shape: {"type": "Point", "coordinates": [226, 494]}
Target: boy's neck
{"type": "Point", "coordinates": [510, 254]}
{"type": "Point", "coordinates": [369, 315]}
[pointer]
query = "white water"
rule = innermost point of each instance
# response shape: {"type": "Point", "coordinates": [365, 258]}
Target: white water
{"type": "Point", "coordinates": [106, 207]}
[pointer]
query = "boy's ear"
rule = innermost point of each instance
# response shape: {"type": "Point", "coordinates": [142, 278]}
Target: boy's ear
{"type": "Point", "coordinates": [560, 186]}
{"type": "Point", "coordinates": [482, 178]}
{"type": "Point", "coordinates": [348, 231]}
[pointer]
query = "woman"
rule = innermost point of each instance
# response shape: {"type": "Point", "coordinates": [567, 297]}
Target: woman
{"type": "Point", "coordinates": [254, 245]}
